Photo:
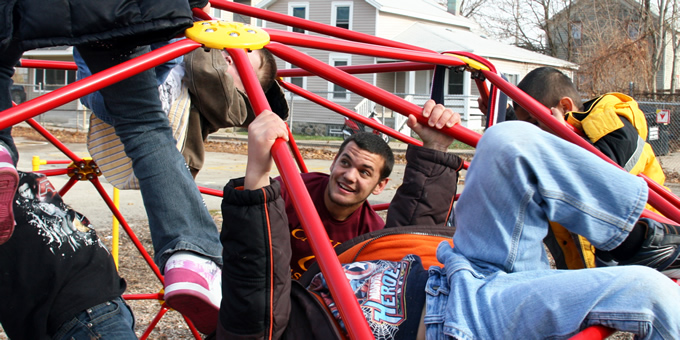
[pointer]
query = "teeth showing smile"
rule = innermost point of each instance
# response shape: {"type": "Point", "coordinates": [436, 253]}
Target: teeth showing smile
{"type": "Point", "coordinates": [344, 187]}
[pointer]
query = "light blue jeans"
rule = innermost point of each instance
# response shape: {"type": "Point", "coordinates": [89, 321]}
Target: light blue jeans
{"type": "Point", "coordinates": [496, 282]}
{"type": "Point", "coordinates": [178, 216]}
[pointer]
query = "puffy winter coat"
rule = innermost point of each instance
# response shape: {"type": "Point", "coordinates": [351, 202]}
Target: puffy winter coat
{"type": "Point", "coordinates": [43, 23]}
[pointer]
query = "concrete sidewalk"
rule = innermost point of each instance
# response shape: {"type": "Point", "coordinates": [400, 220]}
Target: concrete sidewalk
{"type": "Point", "coordinates": [219, 168]}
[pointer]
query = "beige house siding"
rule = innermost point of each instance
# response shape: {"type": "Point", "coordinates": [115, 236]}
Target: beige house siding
{"type": "Point", "coordinates": [392, 24]}
{"type": "Point", "coordinates": [320, 11]}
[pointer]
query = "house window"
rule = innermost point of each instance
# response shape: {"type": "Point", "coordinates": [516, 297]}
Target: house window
{"type": "Point", "coordinates": [337, 92]}
{"type": "Point", "coordinates": [576, 30]}
{"type": "Point", "coordinates": [454, 83]}
{"type": "Point", "coordinates": [633, 30]}
{"type": "Point", "coordinates": [298, 10]}
{"type": "Point", "coordinates": [216, 13]}
{"type": "Point", "coordinates": [240, 17]}
{"type": "Point", "coordinates": [299, 81]}
{"type": "Point", "coordinates": [341, 14]}
{"type": "Point", "coordinates": [513, 78]}
{"type": "Point", "coordinates": [53, 79]}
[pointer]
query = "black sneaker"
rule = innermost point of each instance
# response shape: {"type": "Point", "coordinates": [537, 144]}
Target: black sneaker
{"type": "Point", "coordinates": [660, 249]}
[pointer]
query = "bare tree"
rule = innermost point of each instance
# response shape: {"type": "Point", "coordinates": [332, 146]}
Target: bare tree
{"type": "Point", "coordinates": [625, 38]}
{"type": "Point", "coordinates": [468, 8]}
{"type": "Point", "coordinates": [656, 27]}
{"type": "Point", "coordinates": [525, 23]}
{"type": "Point", "coordinates": [675, 44]}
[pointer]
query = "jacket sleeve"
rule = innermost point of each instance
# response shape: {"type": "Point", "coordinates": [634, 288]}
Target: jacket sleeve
{"type": "Point", "coordinates": [256, 280]}
{"type": "Point", "coordinates": [621, 145]}
{"type": "Point", "coordinates": [213, 92]}
{"type": "Point", "coordinates": [429, 188]}
{"type": "Point", "coordinates": [198, 3]}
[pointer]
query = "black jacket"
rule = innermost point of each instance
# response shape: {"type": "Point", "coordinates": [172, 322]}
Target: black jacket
{"type": "Point", "coordinates": [43, 23]}
{"type": "Point", "coordinates": [259, 300]}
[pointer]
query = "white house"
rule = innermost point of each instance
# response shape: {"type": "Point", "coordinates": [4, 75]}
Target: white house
{"type": "Point", "coordinates": [421, 23]}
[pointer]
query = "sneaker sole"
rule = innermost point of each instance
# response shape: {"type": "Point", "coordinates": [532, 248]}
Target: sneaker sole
{"type": "Point", "coordinates": [190, 300]}
{"type": "Point", "coordinates": [9, 179]}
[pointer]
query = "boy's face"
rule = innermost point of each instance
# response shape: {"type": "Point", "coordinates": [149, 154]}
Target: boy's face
{"type": "Point", "coordinates": [524, 116]}
{"type": "Point", "coordinates": [255, 61]}
{"type": "Point", "coordinates": [354, 175]}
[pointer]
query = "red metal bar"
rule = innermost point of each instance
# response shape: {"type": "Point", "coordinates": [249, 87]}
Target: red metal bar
{"type": "Point", "coordinates": [658, 188]}
{"type": "Point", "coordinates": [593, 332]}
{"type": "Point", "coordinates": [318, 238]}
{"type": "Point", "coordinates": [310, 25]}
{"type": "Point", "coordinates": [71, 182]}
{"type": "Point", "coordinates": [192, 328]}
{"type": "Point", "coordinates": [296, 151]}
{"type": "Point", "coordinates": [402, 66]}
{"type": "Point", "coordinates": [367, 90]}
{"type": "Point", "coordinates": [344, 46]}
{"type": "Point", "coordinates": [95, 82]}
{"type": "Point", "coordinates": [476, 58]}
{"type": "Point", "coordinates": [152, 296]}
{"type": "Point", "coordinates": [53, 172]}
{"type": "Point", "coordinates": [49, 64]}
{"type": "Point", "coordinates": [381, 206]}
{"type": "Point", "coordinates": [213, 192]}
{"type": "Point", "coordinates": [349, 113]}
{"type": "Point", "coordinates": [95, 181]}
{"type": "Point", "coordinates": [59, 162]}
{"type": "Point", "coordinates": [51, 138]}
{"type": "Point", "coordinates": [154, 322]}
{"type": "Point", "coordinates": [669, 209]}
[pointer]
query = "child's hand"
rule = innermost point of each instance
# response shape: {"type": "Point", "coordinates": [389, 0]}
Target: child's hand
{"type": "Point", "coordinates": [263, 131]}
{"type": "Point", "coordinates": [483, 105]}
{"type": "Point", "coordinates": [438, 117]}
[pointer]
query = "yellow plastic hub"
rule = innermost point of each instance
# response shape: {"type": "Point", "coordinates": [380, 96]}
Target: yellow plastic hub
{"type": "Point", "coordinates": [221, 34]}
{"type": "Point", "coordinates": [473, 64]}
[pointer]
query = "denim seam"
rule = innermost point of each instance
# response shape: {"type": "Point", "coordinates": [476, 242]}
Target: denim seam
{"type": "Point", "coordinates": [621, 226]}
{"type": "Point", "coordinates": [517, 231]}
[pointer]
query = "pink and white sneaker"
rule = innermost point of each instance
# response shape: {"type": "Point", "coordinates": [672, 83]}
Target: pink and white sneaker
{"type": "Point", "coordinates": [9, 179]}
{"type": "Point", "coordinates": [193, 287]}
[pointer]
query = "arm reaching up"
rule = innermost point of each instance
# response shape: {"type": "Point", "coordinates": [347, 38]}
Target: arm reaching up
{"type": "Point", "coordinates": [262, 133]}
{"type": "Point", "coordinates": [438, 118]}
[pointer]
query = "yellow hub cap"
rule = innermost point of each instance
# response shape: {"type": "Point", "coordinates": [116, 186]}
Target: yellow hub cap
{"type": "Point", "coordinates": [221, 34]}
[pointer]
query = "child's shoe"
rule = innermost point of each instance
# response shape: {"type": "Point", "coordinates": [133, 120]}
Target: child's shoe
{"type": "Point", "coordinates": [9, 179]}
{"type": "Point", "coordinates": [193, 287]}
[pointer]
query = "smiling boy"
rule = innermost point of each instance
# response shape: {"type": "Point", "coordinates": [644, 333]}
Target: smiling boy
{"type": "Point", "coordinates": [361, 168]}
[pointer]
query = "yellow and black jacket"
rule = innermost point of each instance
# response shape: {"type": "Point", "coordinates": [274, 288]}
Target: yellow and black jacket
{"type": "Point", "coordinates": [615, 125]}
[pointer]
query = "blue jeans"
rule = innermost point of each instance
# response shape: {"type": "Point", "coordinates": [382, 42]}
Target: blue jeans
{"type": "Point", "coordinates": [109, 320]}
{"type": "Point", "coordinates": [497, 283]}
{"type": "Point", "coordinates": [95, 102]}
{"type": "Point", "coordinates": [178, 217]}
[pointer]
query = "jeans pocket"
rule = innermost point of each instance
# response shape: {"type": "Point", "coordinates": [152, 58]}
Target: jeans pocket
{"type": "Point", "coordinates": [109, 320]}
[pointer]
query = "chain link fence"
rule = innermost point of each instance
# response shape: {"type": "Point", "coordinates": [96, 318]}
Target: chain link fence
{"type": "Point", "coordinates": [663, 121]}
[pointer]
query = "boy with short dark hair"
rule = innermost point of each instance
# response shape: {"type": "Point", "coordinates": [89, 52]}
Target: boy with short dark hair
{"type": "Point", "coordinates": [614, 125]}
{"type": "Point", "coordinates": [493, 283]}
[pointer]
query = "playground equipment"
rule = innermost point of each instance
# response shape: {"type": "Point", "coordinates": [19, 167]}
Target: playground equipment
{"type": "Point", "coordinates": [237, 38]}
